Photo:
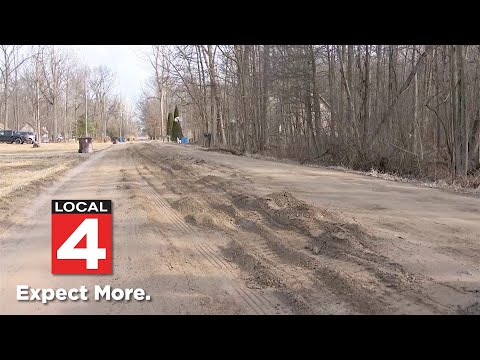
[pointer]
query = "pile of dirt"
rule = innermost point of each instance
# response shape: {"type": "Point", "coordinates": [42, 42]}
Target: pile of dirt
{"type": "Point", "coordinates": [285, 199]}
{"type": "Point", "coordinates": [330, 234]}
{"type": "Point", "coordinates": [285, 209]}
{"type": "Point", "coordinates": [288, 206]}
{"type": "Point", "coordinates": [188, 206]}
{"type": "Point", "coordinates": [335, 238]}
{"type": "Point", "coordinates": [227, 210]}
{"type": "Point", "coordinates": [198, 215]}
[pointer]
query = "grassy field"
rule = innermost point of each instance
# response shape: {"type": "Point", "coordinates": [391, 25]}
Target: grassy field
{"type": "Point", "coordinates": [25, 170]}
{"type": "Point", "coordinates": [67, 148]}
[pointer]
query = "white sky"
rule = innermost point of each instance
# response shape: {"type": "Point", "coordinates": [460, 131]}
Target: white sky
{"type": "Point", "coordinates": [127, 61]}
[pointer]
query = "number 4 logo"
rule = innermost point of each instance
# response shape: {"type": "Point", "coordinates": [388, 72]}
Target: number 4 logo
{"type": "Point", "coordinates": [92, 253]}
{"type": "Point", "coordinates": [74, 221]}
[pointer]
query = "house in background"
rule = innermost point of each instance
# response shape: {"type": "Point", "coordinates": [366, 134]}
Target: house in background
{"type": "Point", "coordinates": [45, 134]}
{"type": "Point", "coordinates": [27, 127]}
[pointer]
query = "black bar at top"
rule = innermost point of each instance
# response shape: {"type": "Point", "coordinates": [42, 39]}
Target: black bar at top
{"type": "Point", "coordinates": [81, 206]}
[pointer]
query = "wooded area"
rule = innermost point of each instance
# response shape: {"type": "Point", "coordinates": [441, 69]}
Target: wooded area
{"type": "Point", "coordinates": [49, 89]}
{"type": "Point", "coordinates": [407, 109]}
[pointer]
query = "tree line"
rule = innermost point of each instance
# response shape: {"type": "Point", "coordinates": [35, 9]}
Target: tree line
{"type": "Point", "coordinates": [410, 109]}
{"type": "Point", "coordinates": [49, 88]}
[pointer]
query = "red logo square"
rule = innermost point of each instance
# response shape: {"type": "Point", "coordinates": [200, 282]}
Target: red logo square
{"type": "Point", "coordinates": [81, 237]}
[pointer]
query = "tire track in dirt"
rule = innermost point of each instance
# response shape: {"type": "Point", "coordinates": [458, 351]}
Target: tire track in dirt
{"type": "Point", "coordinates": [358, 274]}
{"type": "Point", "coordinates": [310, 293]}
{"type": "Point", "coordinates": [264, 249]}
{"type": "Point", "coordinates": [128, 234]}
{"type": "Point", "coordinates": [255, 302]}
{"type": "Point", "coordinates": [336, 278]}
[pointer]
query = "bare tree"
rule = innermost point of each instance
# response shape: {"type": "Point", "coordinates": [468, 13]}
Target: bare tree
{"type": "Point", "coordinates": [54, 67]}
{"type": "Point", "coordinates": [9, 64]}
{"type": "Point", "coordinates": [101, 83]}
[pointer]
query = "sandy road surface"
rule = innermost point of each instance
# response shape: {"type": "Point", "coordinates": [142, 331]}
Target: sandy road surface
{"type": "Point", "coordinates": [210, 233]}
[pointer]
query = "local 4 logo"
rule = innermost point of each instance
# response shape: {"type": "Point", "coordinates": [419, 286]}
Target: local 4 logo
{"type": "Point", "coordinates": [81, 236]}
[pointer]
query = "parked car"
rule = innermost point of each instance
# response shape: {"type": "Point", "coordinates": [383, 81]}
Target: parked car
{"type": "Point", "coordinates": [30, 134]}
{"type": "Point", "coordinates": [11, 136]}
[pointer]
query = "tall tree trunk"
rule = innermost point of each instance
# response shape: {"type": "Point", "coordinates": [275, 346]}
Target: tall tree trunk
{"type": "Point", "coordinates": [366, 100]}
{"type": "Point", "coordinates": [203, 90]}
{"type": "Point", "coordinates": [37, 90]}
{"type": "Point", "coordinates": [347, 85]}
{"type": "Point", "coordinates": [474, 143]}
{"type": "Point", "coordinates": [265, 97]}
{"type": "Point", "coordinates": [316, 102]}
{"type": "Point", "coordinates": [331, 84]}
{"type": "Point", "coordinates": [5, 98]}
{"type": "Point", "coordinates": [378, 82]}
{"type": "Point", "coordinates": [462, 129]}
{"type": "Point", "coordinates": [65, 119]}
{"type": "Point", "coordinates": [54, 97]}
{"type": "Point", "coordinates": [308, 110]}
{"type": "Point", "coordinates": [454, 110]}
{"type": "Point", "coordinates": [215, 98]}
{"type": "Point", "coordinates": [392, 85]}
{"type": "Point", "coordinates": [16, 114]}
{"type": "Point", "coordinates": [162, 97]}
{"type": "Point", "coordinates": [415, 106]}
{"type": "Point", "coordinates": [55, 130]}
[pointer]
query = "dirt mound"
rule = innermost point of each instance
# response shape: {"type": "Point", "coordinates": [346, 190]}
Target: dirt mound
{"type": "Point", "coordinates": [177, 167]}
{"type": "Point", "coordinates": [188, 206]}
{"type": "Point", "coordinates": [205, 217]}
{"type": "Point", "coordinates": [285, 199]}
{"type": "Point", "coordinates": [289, 205]}
{"type": "Point", "coordinates": [329, 233]}
{"type": "Point", "coordinates": [298, 207]}
{"type": "Point", "coordinates": [334, 238]}
{"type": "Point", "coordinates": [228, 210]}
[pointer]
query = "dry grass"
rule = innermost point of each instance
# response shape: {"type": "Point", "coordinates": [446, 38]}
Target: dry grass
{"type": "Point", "coordinates": [24, 170]}
{"type": "Point", "coordinates": [13, 149]}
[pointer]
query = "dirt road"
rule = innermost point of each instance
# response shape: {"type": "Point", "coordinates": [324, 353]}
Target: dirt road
{"type": "Point", "coordinates": [211, 233]}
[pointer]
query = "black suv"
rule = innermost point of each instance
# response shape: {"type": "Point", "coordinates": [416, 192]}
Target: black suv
{"type": "Point", "coordinates": [11, 136]}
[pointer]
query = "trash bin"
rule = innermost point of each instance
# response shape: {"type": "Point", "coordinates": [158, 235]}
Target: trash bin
{"type": "Point", "coordinates": [85, 145]}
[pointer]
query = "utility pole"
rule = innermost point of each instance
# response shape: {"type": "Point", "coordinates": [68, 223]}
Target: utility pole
{"type": "Point", "coordinates": [121, 122]}
{"type": "Point", "coordinates": [37, 90]}
{"type": "Point", "coordinates": [86, 104]}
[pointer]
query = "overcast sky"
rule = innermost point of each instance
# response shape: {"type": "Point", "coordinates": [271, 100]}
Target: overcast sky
{"type": "Point", "coordinates": [125, 60]}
